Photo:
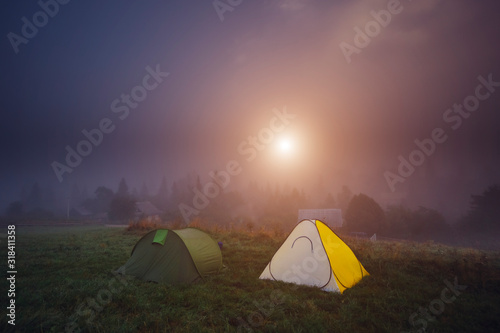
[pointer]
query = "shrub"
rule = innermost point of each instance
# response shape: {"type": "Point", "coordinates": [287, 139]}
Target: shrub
{"type": "Point", "coordinates": [364, 214]}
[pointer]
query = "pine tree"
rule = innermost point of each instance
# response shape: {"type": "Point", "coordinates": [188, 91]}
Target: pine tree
{"type": "Point", "coordinates": [344, 197]}
{"type": "Point", "coordinates": [329, 201]}
{"type": "Point", "coordinates": [122, 188]}
{"type": "Point", "coordinates": [364, 215]}
{"type": "Point", "coordinates": [34, 199]}
{"type": "Point", "coordinates": [144, 193]}
{"type": "Point", "coordinates": [162, 195]}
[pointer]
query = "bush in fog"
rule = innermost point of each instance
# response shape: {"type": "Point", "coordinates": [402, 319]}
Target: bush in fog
{"type": "Point", "coordinates": [420, 224]}
{"type": "Point", "coordinates": [364, 215]}
{"type": "Point", "coordinates": [121, 208]}
{"type": "Point", "coordinates": [101, 200]}
{"type": "Point", "coordinates": [484, 212]}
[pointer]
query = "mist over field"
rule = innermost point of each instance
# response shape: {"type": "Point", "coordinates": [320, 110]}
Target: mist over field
{"type": "Point", "coordinates": [250, 166]}
{"type": "Point", "coordinates": [397, 100]}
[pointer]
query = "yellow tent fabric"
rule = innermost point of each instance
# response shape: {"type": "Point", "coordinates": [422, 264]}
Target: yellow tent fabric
{"type": "Point", "coordinates": [314, 255]}
{"type": "Point", "coordinates": [346, 268]}
{"type": "Point", "coordinates": [204, 250]}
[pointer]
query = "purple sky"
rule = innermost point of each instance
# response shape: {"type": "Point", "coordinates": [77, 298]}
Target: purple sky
{"type": "Point", "coordinates": [354, 115]}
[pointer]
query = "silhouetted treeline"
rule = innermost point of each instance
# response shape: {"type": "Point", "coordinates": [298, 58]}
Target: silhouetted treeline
{"type": "Point", "coordinates": [258, 205]}
{"type": "Point", "coordinates": [484, 212]}
{"type": "Point", "coordinates": [35, 203]}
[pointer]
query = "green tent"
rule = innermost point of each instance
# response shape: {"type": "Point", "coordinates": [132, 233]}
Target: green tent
{"type": "Point", "coordinates": [173, 256]}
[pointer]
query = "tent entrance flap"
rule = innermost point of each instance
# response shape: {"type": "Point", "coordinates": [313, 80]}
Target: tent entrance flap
{"type": "Point", "coordinates": [160, 236]}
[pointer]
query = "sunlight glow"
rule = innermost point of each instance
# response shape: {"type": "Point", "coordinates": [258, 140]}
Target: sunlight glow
{"type": "Point", "coordinates": [285, 145]}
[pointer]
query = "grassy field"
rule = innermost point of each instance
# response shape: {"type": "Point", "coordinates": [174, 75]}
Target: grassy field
{"type": "Point", "coordinates": [65, 282]}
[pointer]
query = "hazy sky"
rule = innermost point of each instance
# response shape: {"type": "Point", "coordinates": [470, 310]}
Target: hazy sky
{"type": "Point", "coordinates": [361, 92]}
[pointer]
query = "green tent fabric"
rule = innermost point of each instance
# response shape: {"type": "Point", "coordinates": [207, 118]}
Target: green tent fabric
{"type": "Point", "coordinates": [185, 256]}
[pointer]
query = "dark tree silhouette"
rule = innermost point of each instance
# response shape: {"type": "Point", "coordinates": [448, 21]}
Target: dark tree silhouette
{"type": "Point", "coordinates": [100, 203]}
{"type": "Point", "coordinates": [161, 198]}
{"type": "Point", "coordinates": [329, 201]}
{"type": "Point", "coordinates": [484, 212]}
{"type": "Point", "coordinates": [420, 224]}
{"type": "Point", "coordinates": [15, 209]}
{"type": "Point", "coordinates": [122, 188]}
{"type": "Point", "coordinates": [135, 194]}
{"type": "Point", "coordinates": [121, 208]}
{"type": "Point", "coordinates": [144, 193]}
{"type": "Point", "coordinates": [34, 199]}
{"type": "Point", "coordinates": [399, 220]}
{"type": "Point", "coordinates": [364, 215]}
{"type": "Point", "coordinates": [344, 197]}
{"type": "Point", "coordinates": [76, 196]}
{"type": "Point", "coordinates": [428, 224]}
{"type": "Point", "coordinates": [176, 196]}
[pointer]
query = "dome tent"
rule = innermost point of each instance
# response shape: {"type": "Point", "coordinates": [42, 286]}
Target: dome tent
{"type": "Point", "coordinates": [314, 255]}
{"type": "Point", "coordinates": [173, 256]}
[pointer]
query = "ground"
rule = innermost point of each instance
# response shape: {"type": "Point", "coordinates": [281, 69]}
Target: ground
{"type": "Point", "coordinates": [65, 282]}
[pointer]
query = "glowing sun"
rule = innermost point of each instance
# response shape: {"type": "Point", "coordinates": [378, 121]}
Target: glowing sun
{"type": "Point", "coordinates": [285, 145]}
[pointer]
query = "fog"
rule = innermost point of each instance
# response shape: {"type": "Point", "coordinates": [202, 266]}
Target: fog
{"type": "Point", "coordinates": [235, 87]}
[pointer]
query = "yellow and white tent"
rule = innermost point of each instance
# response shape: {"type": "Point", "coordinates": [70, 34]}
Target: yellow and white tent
{"type": "Point", "coordinates": [314, 255]}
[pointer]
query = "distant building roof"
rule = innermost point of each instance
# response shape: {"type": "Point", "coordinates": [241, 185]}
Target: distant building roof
{"type": "Point", "coordinates": [330, 216]}
{"type": "Point", "coordinates": [146, 208]}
